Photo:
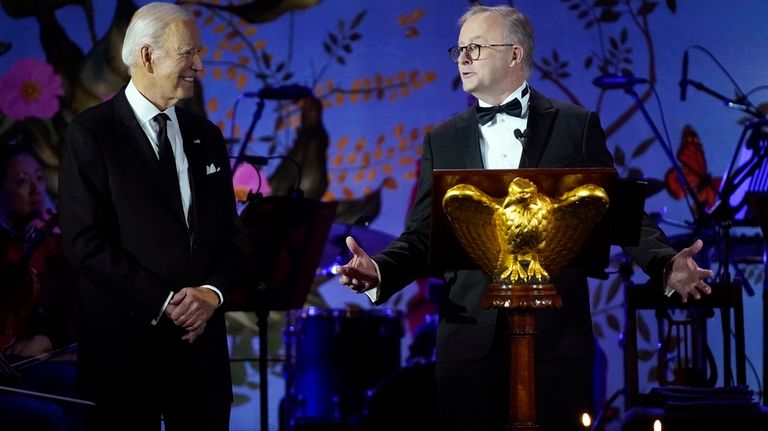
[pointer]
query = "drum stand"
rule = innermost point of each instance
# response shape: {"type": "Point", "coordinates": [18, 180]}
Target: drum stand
{"type": "Point", "coordinates": [724, 213]}
{"type": "Point", "coordinates": [262, 318]}
{"type": "Point", "coordinates": [755, 137]}
{"type": "Point", "coordinates": [722, 216]}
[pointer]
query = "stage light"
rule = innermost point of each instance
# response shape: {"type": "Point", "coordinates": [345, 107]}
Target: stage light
{"type": "Point", "coordinates": [586, 420]}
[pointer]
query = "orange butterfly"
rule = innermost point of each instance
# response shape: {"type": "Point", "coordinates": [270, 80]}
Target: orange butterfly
{"type": "Point", "coordinates": [694, 167]}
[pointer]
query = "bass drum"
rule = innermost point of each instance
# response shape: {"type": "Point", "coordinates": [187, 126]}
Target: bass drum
{"type": "Point", "coordinates": [407, 399]}
{"type": "Point", "coordinates": [335, 357]}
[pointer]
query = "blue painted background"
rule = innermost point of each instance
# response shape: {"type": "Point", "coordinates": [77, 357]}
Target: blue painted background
{"type": "Point", "coordinates": [400, 54]}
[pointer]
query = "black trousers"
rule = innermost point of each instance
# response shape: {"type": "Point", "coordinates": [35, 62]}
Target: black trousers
{"type": "Point", "coordinates": [474, 395]}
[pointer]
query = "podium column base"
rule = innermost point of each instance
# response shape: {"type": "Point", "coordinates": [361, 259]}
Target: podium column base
{"type": "Point", "coordinates": [518, 302]}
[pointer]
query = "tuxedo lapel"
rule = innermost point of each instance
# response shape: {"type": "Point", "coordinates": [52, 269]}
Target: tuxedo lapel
{"type": "Point", "coordinates": [133, 137]}
{"type": "Point", "coordinates": [541, 117]}
{"type": "Point", "coordinates": [468, 133]}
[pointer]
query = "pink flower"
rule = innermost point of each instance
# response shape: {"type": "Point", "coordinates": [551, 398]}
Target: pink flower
{"type": "Point", "coordinates": [246, 179]}
{"type": "Point", "coordinates": [30, 89]}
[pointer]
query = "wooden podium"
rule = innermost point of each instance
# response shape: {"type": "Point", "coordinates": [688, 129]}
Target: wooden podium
{"type": "Point", "coordinates": [521, 228]}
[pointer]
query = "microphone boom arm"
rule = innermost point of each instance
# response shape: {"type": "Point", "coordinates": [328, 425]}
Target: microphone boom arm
{"type": "Point", "coordinates": [667, 150]}
{"type": "Point", "coordinates": [249, 133]}
{"type": "Point", "coordinates": [727, 101]}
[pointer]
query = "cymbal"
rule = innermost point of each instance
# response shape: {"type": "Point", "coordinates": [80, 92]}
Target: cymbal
{"type": "Point", "coordinates": [336, 251]}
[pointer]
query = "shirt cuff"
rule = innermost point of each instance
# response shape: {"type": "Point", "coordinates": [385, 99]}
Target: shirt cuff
{"type": "Point", "coordinates": [375, 293]}
{"type": "Point", "coordinates": [162, 310]}
{"type": "Point", "coordinates": [215, 290]}
{"type": "Point", "coordinates": [668, 291]}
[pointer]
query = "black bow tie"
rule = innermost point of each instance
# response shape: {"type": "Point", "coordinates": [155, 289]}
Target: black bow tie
{"type": "Point", "coordinates": [485, 115]}
{"type": "Point", "coordinates": [513, 108]}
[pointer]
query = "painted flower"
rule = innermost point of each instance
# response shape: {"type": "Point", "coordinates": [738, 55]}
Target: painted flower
{"type": "Point", "coordinates": [30, 89]}
{"type": "Point", "coordinates": [247, 179]}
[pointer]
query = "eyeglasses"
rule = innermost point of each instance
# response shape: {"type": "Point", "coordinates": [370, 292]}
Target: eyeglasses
{"type": "Point", "coordinates": [472, 50]}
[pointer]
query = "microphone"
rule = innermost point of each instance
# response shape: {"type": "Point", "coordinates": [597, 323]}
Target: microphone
{"type": "Point", "coordinates": [684, 79]}
{"type": "Point", "coordinates": [611, 82]}
{"type": "Point", "coordinates": [521, 136]}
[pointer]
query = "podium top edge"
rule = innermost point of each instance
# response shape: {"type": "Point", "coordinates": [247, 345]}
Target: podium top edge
{"type": "Point", "coordinates": [524, 170]}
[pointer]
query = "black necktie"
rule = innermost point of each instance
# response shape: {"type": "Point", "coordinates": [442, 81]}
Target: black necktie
{"type": "Point", "coordinates": [485, 115]}
{"type": "Point", "coordinates": [165, 153]}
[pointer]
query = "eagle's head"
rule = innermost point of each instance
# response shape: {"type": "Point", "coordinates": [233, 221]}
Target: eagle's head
{"type": "Point", "coordinates": [520, 190]}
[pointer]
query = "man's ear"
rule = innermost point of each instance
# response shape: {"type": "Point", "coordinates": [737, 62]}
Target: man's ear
{"type": "Point", "coordinates": [145, 55]}
{"type": "Point", "coordinates": [517, 54]}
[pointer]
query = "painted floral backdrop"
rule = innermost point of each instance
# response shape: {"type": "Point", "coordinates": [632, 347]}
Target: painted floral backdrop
{"type": "Point", "coordinates": [378, 78]}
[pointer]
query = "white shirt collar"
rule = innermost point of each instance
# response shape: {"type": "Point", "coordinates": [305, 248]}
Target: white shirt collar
{"type": "Point", "coordinates": [144, 110]}
{"type": "Point", "coordinates": [515, 94]}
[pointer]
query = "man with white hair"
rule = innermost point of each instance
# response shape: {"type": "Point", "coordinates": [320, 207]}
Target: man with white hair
{"type": "Point", "coordinates": [148, 219]}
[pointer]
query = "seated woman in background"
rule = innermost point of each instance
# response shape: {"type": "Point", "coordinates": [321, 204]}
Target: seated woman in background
{"type": "Point", "coordinates": [37, 302]}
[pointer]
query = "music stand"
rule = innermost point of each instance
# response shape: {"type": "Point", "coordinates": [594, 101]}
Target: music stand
{"type": "Point", "coordinates": [285, 237]}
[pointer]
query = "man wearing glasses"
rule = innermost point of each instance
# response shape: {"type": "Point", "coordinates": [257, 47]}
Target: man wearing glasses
{"type": "Point", "coordinates": [512, 126]}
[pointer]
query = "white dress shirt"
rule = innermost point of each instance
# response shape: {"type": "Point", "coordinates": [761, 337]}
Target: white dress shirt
{"type": "Point", "coordinates": [499, 147]}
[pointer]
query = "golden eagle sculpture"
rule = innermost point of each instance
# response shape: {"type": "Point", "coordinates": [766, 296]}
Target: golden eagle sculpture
{"type": "Point", "coordinates": [526, 236]}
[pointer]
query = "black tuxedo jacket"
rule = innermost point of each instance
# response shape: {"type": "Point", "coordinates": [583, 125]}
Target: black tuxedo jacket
{"type": "Point", "coordinates": [127, 237]}
{"type": "Point", "coordinates": [559, 136]}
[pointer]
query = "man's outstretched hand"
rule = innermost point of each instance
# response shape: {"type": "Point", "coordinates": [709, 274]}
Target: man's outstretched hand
{"type": "Point", "coordinates": [685, 276]}
{"type": "Point", "coordinates": [360, 272]}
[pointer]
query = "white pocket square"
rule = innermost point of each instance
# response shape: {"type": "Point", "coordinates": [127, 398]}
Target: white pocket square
{"type": "Point", "coordinates": [211, 169]}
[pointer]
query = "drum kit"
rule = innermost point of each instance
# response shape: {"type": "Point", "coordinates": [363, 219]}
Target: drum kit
{"type": "Point", "coordinates": [343, 371]}
{"type": "Point", "coordinates": [334, 358]}
{"type": "Point", "coordinates": [342, 367]}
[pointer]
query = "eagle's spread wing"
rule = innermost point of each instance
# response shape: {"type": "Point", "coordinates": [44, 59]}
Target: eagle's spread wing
{"type": "Point", "coordinates": [573, 218]}
{"type": "Point", "coordinates": [471, 213]}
